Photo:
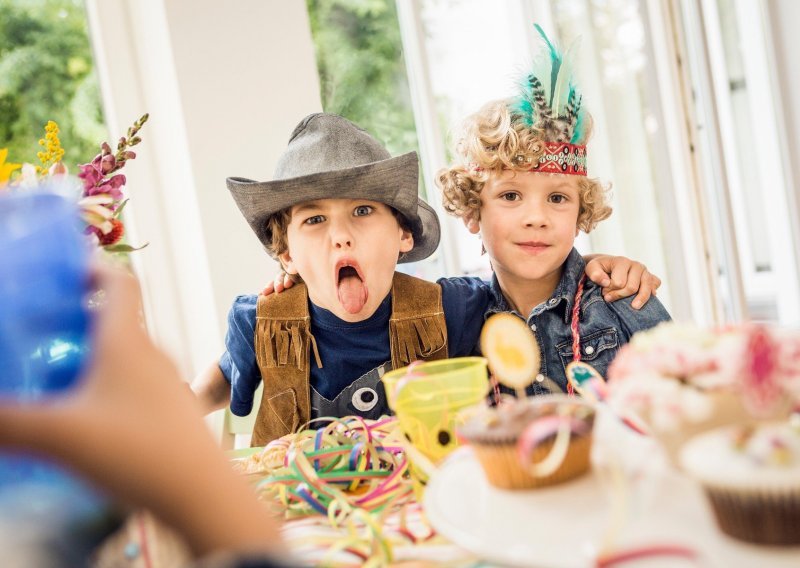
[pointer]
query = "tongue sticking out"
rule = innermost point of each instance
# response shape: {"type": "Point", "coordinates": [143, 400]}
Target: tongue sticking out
{"type": "Point", "coordinates": [351, 290]}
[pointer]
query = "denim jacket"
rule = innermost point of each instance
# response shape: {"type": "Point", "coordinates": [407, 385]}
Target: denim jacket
{"type": "Point", "coordinates": [603, 327]}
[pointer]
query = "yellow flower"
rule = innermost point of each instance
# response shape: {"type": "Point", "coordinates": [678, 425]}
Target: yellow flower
{"type": "Point", "coordinates": [53, 152]}
{"type": "Point", "coordinates": [6, 168]}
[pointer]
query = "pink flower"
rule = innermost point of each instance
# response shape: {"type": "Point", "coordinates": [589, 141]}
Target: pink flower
{"type": "Point", "coordinates": [103, 198]}
{"type": "Point", "coordinates": [111, 186]}
{"type": "Point", "coordinates": [108, 163]}
{"type": "Point", "coordinates": [90, 174]}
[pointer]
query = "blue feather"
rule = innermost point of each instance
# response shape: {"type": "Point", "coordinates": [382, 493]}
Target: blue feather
{"type": "Point", "coordinates": [548, 98]}
{"type": "Point", "coordinates": [555, 62]}
{"type": "Point", "coordinates": [579, 134]}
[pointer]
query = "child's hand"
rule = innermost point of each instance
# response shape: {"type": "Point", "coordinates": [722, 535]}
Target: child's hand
{"type": "Point", "coordinates": [283, 281]}
{"type": "Point", "coordinates": [621, 277]}
{"type": "Point", "coordinates": [132, 427]}
{"type": "Point", "coordinates": [130, 401]}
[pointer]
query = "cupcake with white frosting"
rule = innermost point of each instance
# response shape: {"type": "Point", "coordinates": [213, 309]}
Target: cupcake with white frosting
{"type": "Point", "coordinates": [680, 380]}
{"type": "Point", "coordinates": [751, 475]}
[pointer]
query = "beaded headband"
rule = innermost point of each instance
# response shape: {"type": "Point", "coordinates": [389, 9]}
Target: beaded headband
{"type": "Point", "coordinates": [549, 102]}
{"type": "Point", "coordinates": [562, 158]}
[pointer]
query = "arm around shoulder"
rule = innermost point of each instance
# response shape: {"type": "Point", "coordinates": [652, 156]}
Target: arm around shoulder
{"type": "Point", "coordinates": [212, 388]}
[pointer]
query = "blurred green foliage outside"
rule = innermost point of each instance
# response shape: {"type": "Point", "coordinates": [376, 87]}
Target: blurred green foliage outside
{"type": "Point", "coordinates": [47, 73]}
{"type": "Point", "coordinates": [361, 68]}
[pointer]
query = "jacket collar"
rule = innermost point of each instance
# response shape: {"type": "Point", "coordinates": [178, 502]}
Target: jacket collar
{"type": "Point", "coordinates": [574, 267]}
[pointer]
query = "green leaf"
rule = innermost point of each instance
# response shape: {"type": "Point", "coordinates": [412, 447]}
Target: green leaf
{"type": "Point", "coordinates": [119, 209]}
{"type": "Point", "coordinates": [123, 248]}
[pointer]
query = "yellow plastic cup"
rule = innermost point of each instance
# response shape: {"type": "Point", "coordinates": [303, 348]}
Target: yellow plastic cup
{"type": "Point", "coordinates": [428, 402]}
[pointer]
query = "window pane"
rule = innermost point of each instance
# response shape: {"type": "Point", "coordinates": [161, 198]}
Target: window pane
{"type": "Point", "coordinates": [616, 75]}
{"type": "Point", "coordinates": [739, 154]}
{"type": "Point", "coordinates": [363, 78]}
{"type": "Point", "coordinates": [47, 73]}
{"type": "Point", "coordinates": [474, 51]}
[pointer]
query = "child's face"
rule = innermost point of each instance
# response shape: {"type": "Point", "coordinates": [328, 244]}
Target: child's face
{"type": "Point", "coordinates": [528, 223]}
{"type": "Point", "coordinates": [346, 251]}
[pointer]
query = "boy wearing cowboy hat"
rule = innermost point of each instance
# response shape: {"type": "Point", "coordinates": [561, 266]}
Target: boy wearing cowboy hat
{"type": "Point", "coordinates": [340, 214]}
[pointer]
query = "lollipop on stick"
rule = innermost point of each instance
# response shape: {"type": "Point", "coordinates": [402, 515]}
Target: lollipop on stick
{"type": "Point", "coordinates": [512, 351]}
{"type": "Point", "coordinates": [586, 381]}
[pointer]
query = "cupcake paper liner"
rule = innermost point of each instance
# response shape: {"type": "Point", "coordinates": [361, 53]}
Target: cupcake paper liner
{"type": "Point", "coordinates": [503, 469]}
{"type": "Point", "coordinates": [759, 517]}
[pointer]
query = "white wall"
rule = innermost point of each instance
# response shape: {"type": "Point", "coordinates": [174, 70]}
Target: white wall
{"type": "Point", "coordinates": [225, 83]}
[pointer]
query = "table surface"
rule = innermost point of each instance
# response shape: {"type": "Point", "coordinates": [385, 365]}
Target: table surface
{"type": "Point", "coordinates": [563, 526]}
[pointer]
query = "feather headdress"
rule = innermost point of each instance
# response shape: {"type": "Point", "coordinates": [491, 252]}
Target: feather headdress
{"type": "Point", "coordinates": [550, 102]}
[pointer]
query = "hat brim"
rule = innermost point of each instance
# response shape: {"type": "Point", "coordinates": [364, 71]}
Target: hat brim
{"type": "Point", "coordinates": [393, 181]}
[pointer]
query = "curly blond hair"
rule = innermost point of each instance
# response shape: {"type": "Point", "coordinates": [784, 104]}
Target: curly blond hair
{"type": "Point", "coordinates": [493, 140]}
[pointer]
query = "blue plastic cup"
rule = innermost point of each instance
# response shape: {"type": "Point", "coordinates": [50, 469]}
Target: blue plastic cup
{"type": "Point", "coordinates": [44, 345]}
{"type": "Point", "coordinates": [44, 323]}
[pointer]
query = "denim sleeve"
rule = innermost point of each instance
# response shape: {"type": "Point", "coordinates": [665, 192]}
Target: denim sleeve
{"type": "Point", "coordinates": [238, 363]}
{"type": "Point", "coordinates": [465, 300]}
{"type": "Point", "coordinates": [631, 321]}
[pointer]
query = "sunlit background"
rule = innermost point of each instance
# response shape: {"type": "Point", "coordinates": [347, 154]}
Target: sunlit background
{"type": "Point", "coordinates": [691, 98]}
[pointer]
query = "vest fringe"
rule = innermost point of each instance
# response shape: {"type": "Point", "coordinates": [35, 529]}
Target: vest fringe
{"type": "Point", "coordinates": [281, 343]}
{"type": "Point", "coordinates": [417, 338]}
{"type": "Point", "coordinates": [284, 342]}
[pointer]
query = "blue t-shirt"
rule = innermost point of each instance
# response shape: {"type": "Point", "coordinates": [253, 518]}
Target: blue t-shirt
{"type": "Point", "coordinates": [349, 351]}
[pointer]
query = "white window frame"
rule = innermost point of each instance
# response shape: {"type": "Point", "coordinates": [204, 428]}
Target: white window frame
{"type": "Point", "coordinates": [700, 203]}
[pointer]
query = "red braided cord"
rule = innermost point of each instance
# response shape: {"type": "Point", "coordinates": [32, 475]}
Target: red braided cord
{"type": "Point", "coordinates": [576, 336]}
{"type": "Point", "coordinates": [495, 389]}
{"type": "Point", "coordinates": [144, 549]}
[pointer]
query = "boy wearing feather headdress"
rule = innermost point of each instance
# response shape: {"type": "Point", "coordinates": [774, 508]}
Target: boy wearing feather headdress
{"type": "Point", "coordinates": [521, 183]}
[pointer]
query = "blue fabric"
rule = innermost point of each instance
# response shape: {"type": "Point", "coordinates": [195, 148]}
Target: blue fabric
{"type": "Point", "coordinates": [603, 328]}
{"type": "Point", "coordinates": [348, 350]}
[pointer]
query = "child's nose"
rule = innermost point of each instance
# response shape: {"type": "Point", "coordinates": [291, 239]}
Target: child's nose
{"type": "Point", "coordinates": [535, 215]}
{"type": "Point", "coordinates": [341, 236]}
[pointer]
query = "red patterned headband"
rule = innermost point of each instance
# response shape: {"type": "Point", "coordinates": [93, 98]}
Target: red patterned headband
{"type": "Point", "coordinates": [562, 158]}
{"type": "Point", "coordinates": [557, 158]}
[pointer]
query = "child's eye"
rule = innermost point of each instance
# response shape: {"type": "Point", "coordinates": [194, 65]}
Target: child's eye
{"type": "Point", "coordinates": [510, 196]}
{"type": "Point", "coordinates": [558, 198]}
{"type": "Point", "coordinates": [363, 210]}
{"type": "Point", "coordinates": [315, 220]}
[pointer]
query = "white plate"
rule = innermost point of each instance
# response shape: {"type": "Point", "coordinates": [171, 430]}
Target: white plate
{"type": "Point", "coordinates": [562, 526]}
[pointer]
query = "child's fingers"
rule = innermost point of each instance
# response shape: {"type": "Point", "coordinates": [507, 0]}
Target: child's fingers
{"type": "Point", "coordinates": [648, 288]}
{"type": "Point", "coordinates": [627, 283]}
{"type": "Point", "coordinates": [288, 281]}
{"type": "Point", "coordinates": [653, 281]}
{"type": "Point", "coordinates": [598, 272]}
{"type": "Point", "coordinates": [280, 282]}
{"type": "Point", "coordinates": [626, 276]}
{"type": "Point", "coordinates": [268, 289]}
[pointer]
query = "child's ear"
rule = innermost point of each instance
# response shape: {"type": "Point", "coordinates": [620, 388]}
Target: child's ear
{"type": "Point", "coordinates": [287, 263]}
{"type": "Point", "coordinates": [472, 224]}
{"type": "Point", "coordinates": [406, 241]}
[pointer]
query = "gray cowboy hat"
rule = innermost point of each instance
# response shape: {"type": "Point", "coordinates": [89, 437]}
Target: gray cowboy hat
{"type": "Point", "coordinates": [330, 157]}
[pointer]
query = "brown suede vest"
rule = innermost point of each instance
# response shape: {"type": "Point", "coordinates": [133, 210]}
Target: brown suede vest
{"type": "Point", "coordinates": [283, 342]}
